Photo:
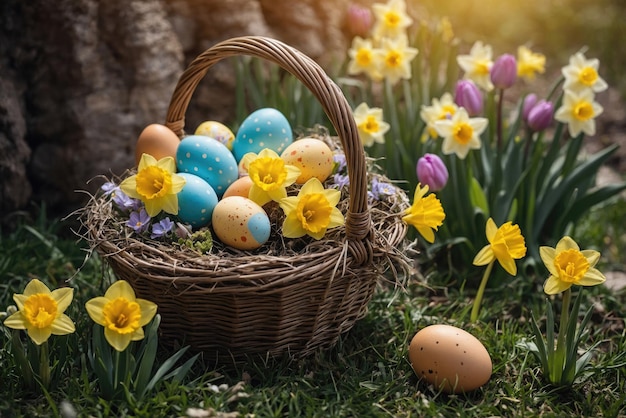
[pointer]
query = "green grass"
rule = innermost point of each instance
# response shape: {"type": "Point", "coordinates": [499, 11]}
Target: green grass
{"type": "Point", "coordinates": [367, 374]}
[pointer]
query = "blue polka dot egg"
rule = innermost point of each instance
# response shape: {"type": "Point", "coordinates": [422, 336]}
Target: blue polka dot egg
{"type": "Point", "coordinates": [196, 201]}
{"type": "Point", "coordinates": [264, 128]}
{"type": "Point", "coordinates": [208, 159]}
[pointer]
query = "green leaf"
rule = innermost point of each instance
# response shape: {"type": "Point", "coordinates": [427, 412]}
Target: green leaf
{"type": "Point", "coordinates": [477, 196]}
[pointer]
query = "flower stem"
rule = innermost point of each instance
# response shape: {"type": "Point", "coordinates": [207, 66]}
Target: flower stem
{"type": "Point", "coordinates": [481, 291]}
{"type": "Point", "coordinates": [44, 365]}
{"type": "Point", "coordinates": [499, 119]}
{"type": "Point", "coordinates": [559, 357]}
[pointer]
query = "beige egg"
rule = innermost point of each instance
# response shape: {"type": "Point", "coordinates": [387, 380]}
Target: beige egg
{"type": "Point", "coordinates": [240, 223]}
{"type": "Point", "coordinates": [449, 358]}
{"type": "Point", "coordinates": [158, 141]}
{"type": "Point", "coordinates": [218, 131]}
{"type": "Point", "coordinates": [312, 156]}
{"type": "Point", "coordinates": [240, 187]}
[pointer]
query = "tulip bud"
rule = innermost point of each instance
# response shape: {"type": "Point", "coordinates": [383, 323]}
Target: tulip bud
{"type": "Point", "coordinates": [469, 97]}
{"type": "Point", "coordinates": [432, 171]}
{"type": "Point", "coordinates": [504, 71]}
{"type": "Point", "coordinates": [540, 116]}
{"type": "Point", "coordinates": [359, 20]}
{"type": "Point", "coordinates": [529, 102]}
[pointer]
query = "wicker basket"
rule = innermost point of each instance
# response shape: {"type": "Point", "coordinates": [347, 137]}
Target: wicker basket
{"type": "Point", "coordinates": [288, 297]}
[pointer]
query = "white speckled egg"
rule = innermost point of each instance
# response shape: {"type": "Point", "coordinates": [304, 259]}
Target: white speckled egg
{"type": "Point", "coordinates": [218, 131]}
{"type": "Point", "coordinates": [240, 223]}
{"type": "Point", "coordinates": [450, 358]}
{"type": "Point", "coordinates": [264, 128]}
{"type": "Point", "coordinates": [312, 156]}
{"type": "Point", "coordinates": [209, 159]}
{"type": "Point", "coordinates": [196, 201]}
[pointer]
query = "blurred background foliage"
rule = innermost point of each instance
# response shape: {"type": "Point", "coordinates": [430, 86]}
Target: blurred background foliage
{"type": "Point", "coordinates": [556, 28]}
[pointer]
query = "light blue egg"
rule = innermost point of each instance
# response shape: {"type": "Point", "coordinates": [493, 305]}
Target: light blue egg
{"type": "Point", "coordinates": [259, 227]}
{"type": "Point", "coordinates": [196, 201]}
{"type": "Point", "coordinates": [264, 128]}
{"type": "Point", "coordinates": [208, 159]}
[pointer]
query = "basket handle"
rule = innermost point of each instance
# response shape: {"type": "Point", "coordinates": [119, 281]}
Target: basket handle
{"type": "Point", "coordinates": [358, 221]}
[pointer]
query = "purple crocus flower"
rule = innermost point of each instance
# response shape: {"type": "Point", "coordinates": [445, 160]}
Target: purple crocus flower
{"type": "Point", "coordinates": [341, 180]}
{"type": "Point", "coordinates": [432, 171]}
{"type": "Point", "coordinates": [125, 202]}
{"type": "Point", "coordinates": [504, 71]}
{"type": "Point", "coordinates": [340, 160]}
{"type": "Point", "coordinates": [139, 221]}
{"type": "Point", "coordinates": [380, 190]}
{"type": "Point", "coordinates": [109, 188]}
{"type": "Point", "coordinates": [161, 228]}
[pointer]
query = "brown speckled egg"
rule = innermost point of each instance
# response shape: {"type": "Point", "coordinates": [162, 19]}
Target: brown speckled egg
{"type": "Point", "coordinates": [158, 141]}
{"type": "Point", "coordinates": [451, 359]}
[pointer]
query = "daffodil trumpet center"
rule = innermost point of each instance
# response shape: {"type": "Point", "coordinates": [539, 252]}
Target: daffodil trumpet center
{"type": "Point", "coordinates": [393, 59]}
{"type": "Point", "coordinates": [588, 76]}
{"type": "Point", "coordinates": [370, 125]}
{"type": "Point", "coordinates": [153, 182]}
{"type": "Point", "coordinates": [40, 310]}
{"type": "Point", "coordinates": [583, 111]}
{"type": "Point", "coordinates": [392, 19]}
{"type": "Point", "coordinates": [571, 265]}
{"type": "Point", "coordinates": [364, 57]}
{"type": "Point", "coordinates": [268, 173]}
{"type": "Point", "coordinates": [463, 133]}
{"type": "Point", "coordinates": [313, 212]}
{"type": "Point", "coordinates": [122, 315]}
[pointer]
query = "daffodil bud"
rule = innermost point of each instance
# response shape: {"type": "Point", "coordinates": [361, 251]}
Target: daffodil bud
{"type": "Point", "coordinates": [540, 116]}
{"type": "Point", "coordinates": [468, 96]}
{"type": "Point", "coordinates": [432, 171]}
{"type": "Point", "coordinates": [504, 71]}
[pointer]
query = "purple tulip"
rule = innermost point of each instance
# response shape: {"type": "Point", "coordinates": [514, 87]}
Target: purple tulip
{"type": "Point", "coordinates": [359, 20]}
{"type": "Point", "coordinates": [468, 96]}
{"type": "Point", "coordinates": [540, 116]}
{"type": "Point", "coordinates": [432, 171]}
{"type": "Point", "coordinates": [529, 102]}
{"type": "Point", "coordinates": [504, 71]}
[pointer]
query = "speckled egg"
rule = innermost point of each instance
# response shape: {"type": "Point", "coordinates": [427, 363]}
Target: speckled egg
{"type": "Point", "coordinates": [451, 359]}
{"type": "Point", "coordinates": [218, 131]}
{"type": "Point", "coordinates": [264, 128]}
{"type": "Point", "coordinates": [240, 187]}
{"type": "Point", "coordinates": [240, 223]}
{"type": "Point", "coordinates": [196, 201]}
{"type": "Point", "coordinates": [312, 156]}
{"type": "Point", "coordinates": [158, 141]}
{"type": "Point", "coordinates": [209, 159]}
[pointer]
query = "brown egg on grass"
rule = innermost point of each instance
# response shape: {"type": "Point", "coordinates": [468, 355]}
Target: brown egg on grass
{"type": "Point", "coordinates": [239, 187]}
{"type": "Point", "coordinates": [158, 141]}
{"type": "Point", "coordinates": [449, 358]}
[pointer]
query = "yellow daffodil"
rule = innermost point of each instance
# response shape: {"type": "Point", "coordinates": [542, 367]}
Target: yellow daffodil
{"type": "Point", "coordinates": [444, 27]}
{"type": "Point", "coordinates": [391, 19]}
{"type": "Point", "coordinates": [425, 214]}
{"type": "Point", "coordinates": [121, 314]}
{"type": "Point", "coordinates": [372, 127]}
{"type": "Point", "coordinates": [363, 59]}
{"type": "Point", "coordinates": [41, 311]}
{"type": "Point", "coordinates": [579, 110]}
{"type": "Point", "coordinates": [477, 65]}
{"type": "Point", "coordinates": [460, 133]}
{"type": "Point", "coordinates": [156, 184]}
{"type": "Point", "coordinates": [582, 74]}
{"type": "Point", "coordinates": [395, 58]}
{"type": "Point", "coordinates": [506, 244]}
{"type": "Point", "coordinates": [270, 176]}
{"type": "Point", "coordinates": [312, 212]}
{"type": "Point", "coordinates": [529, 63]}
{"type": "Point", "coordinates": [440, 109]}
{"type": "Point", "coordinates": [568, 266]}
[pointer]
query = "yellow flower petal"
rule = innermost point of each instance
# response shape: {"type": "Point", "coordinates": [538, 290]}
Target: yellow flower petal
{"type": "Point", "coordinates": [116, 340]}
{"type": "Point", "coordinates": [145, 161]}
{"type": "Point", "coordinates": [39, 335]}
{"type": "Point", "coordinates": [427, 233]}
{"type": "Point", "coordinates": [553, 285]}
{"type": "Point", "coordinates": [490, 229]}
{"type": "Point", "coordinates": [592, 257]}
{"type": "Point", "coordinates": [592, 278]}
{"type": "Point", "coordinates": [292, 227]}
{"type": "Point", "coordinates": [94, 309]}
{"type": "Point", "coordinates": [63, 297]}
{"type": "Point", "coordinates": [16, 321]}
{"type": "Point", "coordinates": [547, 255]}
{"type": "Point", "coordinates": [148, 310]}
{"type": "Point", "coordinates": [63, 325]}
{"type": "Point", "coordinates": [484, 256]}
{"type": "Point", "coordinates": [34, 287]}
{"type": "Point", "coordinates": [120, 289]}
